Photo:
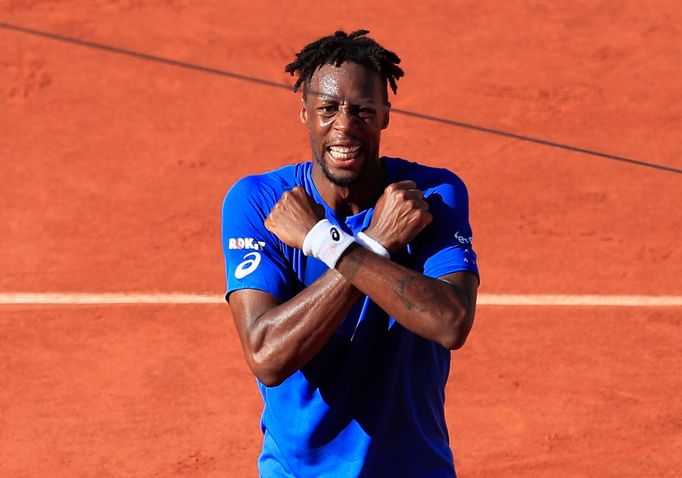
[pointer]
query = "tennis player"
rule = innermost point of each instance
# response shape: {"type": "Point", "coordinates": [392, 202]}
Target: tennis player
{"type": "Point", "coordinates": [350, 279]}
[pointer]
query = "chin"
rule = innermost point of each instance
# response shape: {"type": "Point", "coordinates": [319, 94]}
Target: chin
{"type": "Point", "coordinates": [343, 181]}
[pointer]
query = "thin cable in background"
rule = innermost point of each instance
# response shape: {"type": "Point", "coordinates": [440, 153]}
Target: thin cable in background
{"type": "Point", "coordinates": [274, 84]}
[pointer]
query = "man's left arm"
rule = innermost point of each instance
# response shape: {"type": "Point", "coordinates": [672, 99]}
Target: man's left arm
{"type": "Point", "coordinates": [441, 310]}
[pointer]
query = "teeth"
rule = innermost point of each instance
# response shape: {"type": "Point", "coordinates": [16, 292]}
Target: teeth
{"type": "Point", "coordinates": [344, 149]}
{"type": "Point", "coordinates": [343, 152]}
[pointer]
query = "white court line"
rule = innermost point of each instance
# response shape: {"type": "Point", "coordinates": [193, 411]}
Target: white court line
{"type": "Point", "coordinates": [55, 298]}
{"type": "Point", "coordinates": [19, 298]}
{"type": "Point", "coordinates": [581, 300]}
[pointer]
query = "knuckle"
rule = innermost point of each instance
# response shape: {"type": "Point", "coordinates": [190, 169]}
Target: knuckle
{"type": "Point", "coordinates": [416, 203]}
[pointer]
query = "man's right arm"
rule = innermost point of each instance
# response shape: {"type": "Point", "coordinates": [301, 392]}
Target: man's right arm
{"type": "Point", "coordinates": [279, 339]}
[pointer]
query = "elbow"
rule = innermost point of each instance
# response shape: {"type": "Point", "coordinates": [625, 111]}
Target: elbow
{"type": "Point", "coordinates": [267, 369]}
{"type": "Point", "coordinates": [270, 379]}
{"type": "Point", "coordinates": [456, 330]}
{"type": "Point", "coordinates": [266, 359]}
{"type": "Point", "coordinates": [268, 376]}
{"type": "Point", "coordinates": [455, 342]}
{"type": "Point", "coordinates": [458, 319]}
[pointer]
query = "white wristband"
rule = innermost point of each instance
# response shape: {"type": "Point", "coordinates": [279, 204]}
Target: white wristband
{"type": "Point", "coordinates": [326, 242]}
{"type": "Point", "coordinates": [368, 243]}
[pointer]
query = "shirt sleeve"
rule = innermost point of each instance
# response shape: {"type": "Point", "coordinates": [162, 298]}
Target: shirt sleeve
{"type": "Point", "coordinates": [446, 245]}
{"type": "Point", "coordinates": [254, 257]}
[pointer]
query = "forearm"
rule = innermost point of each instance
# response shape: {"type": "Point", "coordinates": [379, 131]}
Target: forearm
{"type": "Point", "coordinates": [285, 337]}
{"type": "Point", "coordinates": [431, 308]}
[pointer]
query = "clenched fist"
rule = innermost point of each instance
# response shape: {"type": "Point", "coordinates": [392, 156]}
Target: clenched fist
{"type": "Point", "coordinates": [293, 216]}
{"type": "Point", "coordinates": [399, 215]}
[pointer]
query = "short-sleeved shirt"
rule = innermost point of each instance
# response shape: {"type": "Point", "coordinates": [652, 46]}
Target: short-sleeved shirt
{"type": "Point", "coordinates": [371, 402]}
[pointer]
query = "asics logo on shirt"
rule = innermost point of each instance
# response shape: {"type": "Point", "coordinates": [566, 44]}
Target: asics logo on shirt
{"type": "Point", "coordinates": [248, 265]}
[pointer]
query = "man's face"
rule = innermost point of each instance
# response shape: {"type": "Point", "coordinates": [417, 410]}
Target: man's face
{"type": "Point", "coordinates": [345, 110]}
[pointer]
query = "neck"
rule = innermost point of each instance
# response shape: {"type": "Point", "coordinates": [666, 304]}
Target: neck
{"type": "Point", "coordinates": [350, 200]}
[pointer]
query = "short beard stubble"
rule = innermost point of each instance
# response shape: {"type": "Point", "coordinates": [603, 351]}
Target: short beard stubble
{"type": "Point", "coordinates": [341, 182]}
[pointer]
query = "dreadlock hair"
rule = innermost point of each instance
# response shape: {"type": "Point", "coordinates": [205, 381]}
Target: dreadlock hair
{"type": "Point", "coordinates": [339, 47]}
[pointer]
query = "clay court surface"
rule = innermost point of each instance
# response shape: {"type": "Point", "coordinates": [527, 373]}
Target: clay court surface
{"type": "Point", "coordinates": [114, 168]}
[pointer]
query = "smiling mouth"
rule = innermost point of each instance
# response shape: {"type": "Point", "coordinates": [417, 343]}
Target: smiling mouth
{"type": "Point", "coordinates": [343, 153]}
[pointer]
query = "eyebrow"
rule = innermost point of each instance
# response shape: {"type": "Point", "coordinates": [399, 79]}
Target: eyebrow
{"type": "Point", "coordinates": [354, 102]}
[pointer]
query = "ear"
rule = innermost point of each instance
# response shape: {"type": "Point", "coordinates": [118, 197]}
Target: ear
{"type": "Point", "coordinates": [387, 116]}
{"type": "Point", "coordinates": [303, 115]}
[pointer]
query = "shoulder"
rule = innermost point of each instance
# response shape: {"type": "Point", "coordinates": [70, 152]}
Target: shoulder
{"type": "Point", "coordinates": [428, 178]}
{"type": "Point", "coordinates": [263, 190]}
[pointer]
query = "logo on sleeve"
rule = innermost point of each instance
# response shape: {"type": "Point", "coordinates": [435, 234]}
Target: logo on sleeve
{"type": "Point", "coordinates": [245, 243]}
{"type": "Point", "coordinates": [248, 265]}
{"type": "Point", "coordinates": [335, 233]}
{"type": "Point", "coordinates": [464, 240]}
{"type": "Point", "coordinates": [469, 256]}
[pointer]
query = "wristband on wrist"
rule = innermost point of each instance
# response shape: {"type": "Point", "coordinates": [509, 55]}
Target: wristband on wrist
{"type": "Point", "coordinates": [370, 244]}
{"type": "Point", "coordinates": [326, 242]}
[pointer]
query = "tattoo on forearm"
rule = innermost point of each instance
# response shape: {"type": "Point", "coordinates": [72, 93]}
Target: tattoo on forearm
{"type": "Point", "coordinates": [406, 286]}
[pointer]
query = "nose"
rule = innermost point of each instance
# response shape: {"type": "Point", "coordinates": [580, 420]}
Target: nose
{"type": "Point", "coordinates": [345, 119]}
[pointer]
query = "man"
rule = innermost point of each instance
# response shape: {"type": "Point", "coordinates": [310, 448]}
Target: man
{"type": "Point", "coordinates": [350, 279]}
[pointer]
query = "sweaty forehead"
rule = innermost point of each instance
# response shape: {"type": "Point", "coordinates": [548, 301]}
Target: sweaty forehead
{"type": "Point", "coordinates": [349, 81]}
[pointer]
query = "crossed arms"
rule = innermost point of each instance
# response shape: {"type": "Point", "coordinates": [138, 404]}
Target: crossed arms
{"type": "Point", "coordinates": [280, 338]}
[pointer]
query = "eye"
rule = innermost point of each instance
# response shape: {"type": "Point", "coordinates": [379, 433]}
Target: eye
{"type": "Point", "coordinates": [363, 112]}
{"type": "Point", "coordinates": [328, 109]}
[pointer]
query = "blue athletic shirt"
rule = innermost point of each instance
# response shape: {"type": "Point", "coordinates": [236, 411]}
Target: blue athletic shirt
{"type": "Point", "coordinates": [371, 402]}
